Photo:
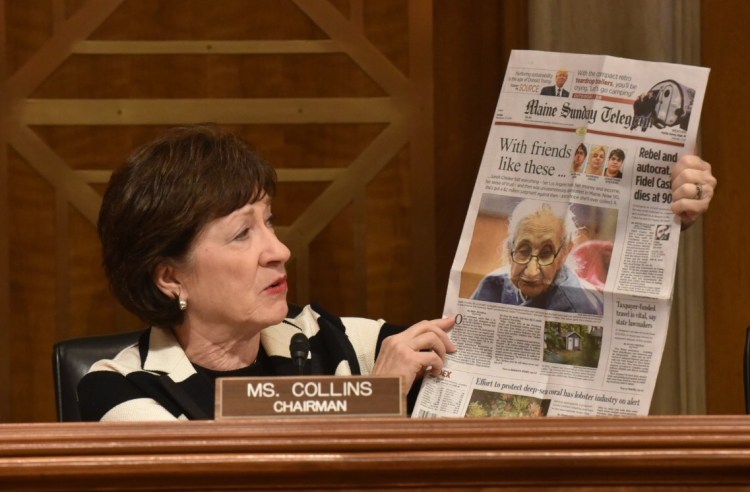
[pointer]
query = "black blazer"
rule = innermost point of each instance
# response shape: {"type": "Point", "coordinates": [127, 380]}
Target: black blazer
{"type": "Point", "coordinates": [551, 90]}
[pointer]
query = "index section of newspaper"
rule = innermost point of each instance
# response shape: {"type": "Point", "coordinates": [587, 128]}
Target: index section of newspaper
{"type": "Point", "coordinates": [562, 280]}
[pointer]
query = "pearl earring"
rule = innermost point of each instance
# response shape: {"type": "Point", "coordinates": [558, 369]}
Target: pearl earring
{"type": "Point", "coordinates": [183, 304]}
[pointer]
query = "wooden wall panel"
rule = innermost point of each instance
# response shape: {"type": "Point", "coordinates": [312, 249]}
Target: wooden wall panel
{"type": "Point", "coordinates": [473, 41]}
{"type": "Point", "coordinates": [4, 235]}
{"type": "Point", "coordinates": [32, 285]}
{"type": "Point", "coordinates": [725, 46]}
{"type": "Point", "coordinates": [326, 90]}
{"type": "Point", "coordinates": [376, 141]}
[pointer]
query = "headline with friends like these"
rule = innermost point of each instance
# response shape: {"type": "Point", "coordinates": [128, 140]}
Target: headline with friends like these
{"type": "Point", "coordinates": [562, 280]}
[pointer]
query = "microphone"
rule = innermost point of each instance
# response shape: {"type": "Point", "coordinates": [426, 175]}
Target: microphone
{"type": "Point", "coordinates": [299, 347]}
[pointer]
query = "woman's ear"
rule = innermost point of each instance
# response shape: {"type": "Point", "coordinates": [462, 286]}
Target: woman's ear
{"type": "Point", "coordinates": [165, 279]}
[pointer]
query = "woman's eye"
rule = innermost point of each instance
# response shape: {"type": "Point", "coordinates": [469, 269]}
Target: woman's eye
{"type": "Point", "coordinates": [242, 234]}
{"type": "Point", "coordinates": [523, 251]}
{"type": "Point", "coordinates": [269, 222]}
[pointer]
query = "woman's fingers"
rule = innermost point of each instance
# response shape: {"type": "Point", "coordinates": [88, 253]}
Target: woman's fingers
{"type": "Point", "coordinates": [693, 186]}
{"type": "Point", "coordinates": [420, 347]}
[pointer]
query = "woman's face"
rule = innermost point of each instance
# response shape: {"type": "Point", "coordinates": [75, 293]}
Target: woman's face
{"type": "Point", "coordinates": [596, 161]}
{"type": "Point", "coordinates": [234, 276]}
{"type": "Point", "coordinates": [537, 235]}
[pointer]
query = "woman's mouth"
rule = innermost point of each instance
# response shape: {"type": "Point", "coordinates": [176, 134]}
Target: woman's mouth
{"type": "Point", "coordinates": [278, 287]}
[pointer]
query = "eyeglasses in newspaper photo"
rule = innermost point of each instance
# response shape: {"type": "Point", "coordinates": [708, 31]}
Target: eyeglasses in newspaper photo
{"type": "Point", "coordinates": [522, 255]}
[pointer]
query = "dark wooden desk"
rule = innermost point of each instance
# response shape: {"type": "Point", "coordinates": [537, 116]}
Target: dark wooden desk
{"type": "Point", "coordinates": [563, 454]}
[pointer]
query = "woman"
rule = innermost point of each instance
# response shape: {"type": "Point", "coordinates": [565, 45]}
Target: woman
{"type": "Point", "coordinates": [596, 160]}
{"type": "Point", "coordinates": [540, 238]}
{"type": "Point", "coordinates": [188, 245]}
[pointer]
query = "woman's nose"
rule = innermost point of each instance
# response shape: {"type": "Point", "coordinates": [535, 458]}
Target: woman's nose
{"type": "Point", "coordinates": [275, 251]}
{"type": "Point", "coordinates": [532, 267]}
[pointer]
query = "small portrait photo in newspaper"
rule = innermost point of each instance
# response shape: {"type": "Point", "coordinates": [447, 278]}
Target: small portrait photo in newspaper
{"type": "Point", "coordinates": [540, 254]}
{"type": "Point", "coordinates": [579, 158]}
{"type": "Point", "coordinates": [662, 232]}
{"type": "Point", "coordinates": [558, 88]}
{"type": "Point", "coordinates": [614, 164]}
{"type": "Point", "coordinates": [597, 157]}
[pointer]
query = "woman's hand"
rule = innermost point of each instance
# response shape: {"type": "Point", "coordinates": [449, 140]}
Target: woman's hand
{"type": "Point", "coordinates": [419, 348]}
{"type": "Point", "coordinates": [693, 187]}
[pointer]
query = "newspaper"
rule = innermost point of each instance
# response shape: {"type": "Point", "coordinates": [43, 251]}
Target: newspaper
{"type": "Point", "coordinates": [562, 280]}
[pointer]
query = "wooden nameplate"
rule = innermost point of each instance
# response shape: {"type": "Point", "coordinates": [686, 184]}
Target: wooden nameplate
{"type": "Point", "coordinates": [309, 396]}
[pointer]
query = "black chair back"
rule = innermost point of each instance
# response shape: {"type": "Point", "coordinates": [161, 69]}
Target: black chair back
{"type": "Point", "coordinates": [71, 359]}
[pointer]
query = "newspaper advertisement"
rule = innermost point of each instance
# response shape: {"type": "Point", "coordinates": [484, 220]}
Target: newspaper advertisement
{"type": "Point", "coordinates": [562, 280]}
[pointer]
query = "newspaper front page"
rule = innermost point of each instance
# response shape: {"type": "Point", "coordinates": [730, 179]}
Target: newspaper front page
{"type": "Point", "coordinates": [562, 280]}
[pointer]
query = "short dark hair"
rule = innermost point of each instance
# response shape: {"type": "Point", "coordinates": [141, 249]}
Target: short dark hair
{"type": "Point", "coordinates": [158, 202]}
{"type": "Point", "coordinates": [583, 148]}
{"type": "Point", "coordinates": [618, 153]}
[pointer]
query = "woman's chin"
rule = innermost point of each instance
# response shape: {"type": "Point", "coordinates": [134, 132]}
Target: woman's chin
{"type": "Point", "coordinates": [270, 314]}
{"type": "Point", "coordinates": [280, 310]}
{"type": "Point", "coordinates": [531, 292]}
